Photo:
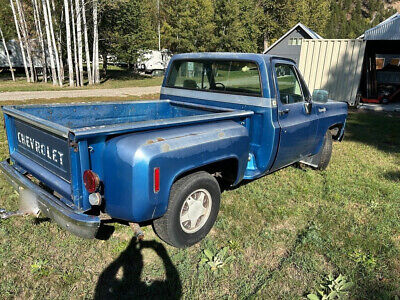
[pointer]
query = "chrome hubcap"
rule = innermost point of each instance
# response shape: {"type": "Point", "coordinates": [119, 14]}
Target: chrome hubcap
{"type": "Point", "coordinates": [195, 211]}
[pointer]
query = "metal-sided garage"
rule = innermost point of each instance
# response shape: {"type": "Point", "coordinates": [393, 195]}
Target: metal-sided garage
{"type": "Point", "coordinates": [381, 76]}
{"type": "Point", "coordinates": [367, 68]}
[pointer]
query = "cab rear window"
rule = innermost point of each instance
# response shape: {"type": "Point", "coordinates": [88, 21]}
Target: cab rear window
{"type": "Point", "coordinates": [233, 77]}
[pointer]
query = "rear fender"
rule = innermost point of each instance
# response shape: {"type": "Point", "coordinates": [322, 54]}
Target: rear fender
{"type": "Point", "coordinates": [130, 160]}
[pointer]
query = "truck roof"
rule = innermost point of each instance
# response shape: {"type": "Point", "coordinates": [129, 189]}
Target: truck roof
{"type": "Point", "coordinates": [227, 55]}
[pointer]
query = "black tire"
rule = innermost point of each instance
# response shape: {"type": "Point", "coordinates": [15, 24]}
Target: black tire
{"type": "Point", "coordinates": [326, 151]}
{"type": "Point", "coordinates": [168, 227]}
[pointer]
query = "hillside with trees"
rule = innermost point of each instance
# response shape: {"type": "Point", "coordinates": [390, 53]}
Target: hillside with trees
{"type": "Point", "coordinates": [73, 35]}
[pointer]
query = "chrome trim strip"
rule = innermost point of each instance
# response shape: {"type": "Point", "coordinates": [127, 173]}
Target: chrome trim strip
{"type": "Point", "coordinates": [76, 222]}
{"type": "Point", "coordinates": [81, 133]}
{"type": "Point", "coordinates": [38, 122]}
{"type": "Point", "coordinates": [219, 97]}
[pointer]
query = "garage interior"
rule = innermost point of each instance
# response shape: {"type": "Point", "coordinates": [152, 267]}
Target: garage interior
{"type": "Point", "coordinates": [380, 80]}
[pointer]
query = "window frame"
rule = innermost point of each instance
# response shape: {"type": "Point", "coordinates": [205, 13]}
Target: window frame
{"type": "Point", "coordinates": [260, 95]}
{"type": "Point", "coordinates": [296, 73]}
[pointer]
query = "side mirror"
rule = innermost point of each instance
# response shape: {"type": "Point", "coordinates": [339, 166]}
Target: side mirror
{"type": "Point", "coordinates": [320, 96]}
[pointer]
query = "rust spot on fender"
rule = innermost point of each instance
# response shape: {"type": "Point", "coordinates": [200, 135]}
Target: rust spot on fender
{"type": "Point", "coordinates": [149, 142]}
{"type": "Point", "coordinates": [165, 147]}
{"type": "Point", "coordinates": [221, 134]}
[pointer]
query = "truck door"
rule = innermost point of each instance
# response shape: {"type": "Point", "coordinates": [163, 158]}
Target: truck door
{"type": "Point", "coordinates": [296, 115]}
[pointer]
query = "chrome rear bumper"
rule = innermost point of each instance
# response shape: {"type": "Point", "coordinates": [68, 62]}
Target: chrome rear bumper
{"type": "Point", "coordinates": [76, 222]}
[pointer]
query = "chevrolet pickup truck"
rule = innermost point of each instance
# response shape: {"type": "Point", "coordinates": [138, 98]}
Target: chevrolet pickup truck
{"type": "Point", "coordinates": [222, 118]}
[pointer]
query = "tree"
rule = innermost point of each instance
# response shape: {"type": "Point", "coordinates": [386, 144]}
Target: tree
{"type": "Point", "coordinates": [313, 13]}
{"type": "Point", "coordinates": [275, 19]}
{"type": "Point", "coordinates": [75, 43]}
{"type": "Point", "coordinates": [69, 50]}
{"type": "Point", "coordinates": [78, 11]}
{"type": "Point", "coordinates": [188, 25]}
{"type": "Point", "coordinates": [53, 41]}
{"type": "Point", "coordinates": [235, 29]}
{"type": "Point", "coordinates": [28, 79]}
{"type": "Point", "coordinates": [41, 39]}
{"type": "Point", "coordinates": [85, 32]}
{"type": "Point", "coordinates": [26, 39]}
{"type": "Point", "coordinates": [47, 21]}
{"type": "Point", "coordinates": [7, 54]}
{"type": "Point", "coordinates": [96, 73]}
{"type": "Point", "coordinates": [126, 28]}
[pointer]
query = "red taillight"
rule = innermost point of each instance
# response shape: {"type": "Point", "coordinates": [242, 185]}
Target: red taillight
{"type": "Point", "coordinates": [91, 181]}
{"type": "Point", "coordinates": [156, 180]}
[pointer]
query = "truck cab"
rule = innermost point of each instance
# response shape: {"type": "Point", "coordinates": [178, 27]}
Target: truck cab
{"type": "Point", "coordinates": [222, 118]}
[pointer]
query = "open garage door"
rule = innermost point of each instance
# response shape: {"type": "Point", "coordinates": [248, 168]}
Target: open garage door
{"type": "Point", "coordinates": [334, 66]}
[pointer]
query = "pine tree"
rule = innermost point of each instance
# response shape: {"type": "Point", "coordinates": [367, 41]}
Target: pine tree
{"type": "Point", "coordinates": [188, 25]}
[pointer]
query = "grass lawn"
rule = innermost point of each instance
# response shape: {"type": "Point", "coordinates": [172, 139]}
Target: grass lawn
{"type": "Point", "coordinates": [116, 78]}
{"type": "Point", "coordinates": [284, 234]}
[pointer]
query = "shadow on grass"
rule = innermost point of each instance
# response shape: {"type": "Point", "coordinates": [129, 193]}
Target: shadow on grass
{"type": "Point", "coordinates": [377, 129]}
{"type": "Point", "coordinates": [393, 176]}
{"type": "Point", "coordinates": [129, 285]}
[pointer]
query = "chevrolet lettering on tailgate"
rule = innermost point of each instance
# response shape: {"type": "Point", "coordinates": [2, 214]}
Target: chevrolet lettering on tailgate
{"type": "Point", "coordinates": [44, 148]}
{"type": "Point", "coordinates": [40, 148]}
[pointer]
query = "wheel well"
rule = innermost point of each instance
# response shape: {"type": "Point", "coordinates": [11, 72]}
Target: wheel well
{"type": "Point", "coordinates": [225, 171]}
{"type": "Point", "coordinates": [335, 131]}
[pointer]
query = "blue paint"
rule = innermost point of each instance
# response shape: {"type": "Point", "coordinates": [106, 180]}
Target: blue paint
{"type": "Point", "coordinates": [124, 141]}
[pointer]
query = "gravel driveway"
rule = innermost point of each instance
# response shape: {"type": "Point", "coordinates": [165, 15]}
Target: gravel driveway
{"type": "Point", "coordinates": [121, 92]}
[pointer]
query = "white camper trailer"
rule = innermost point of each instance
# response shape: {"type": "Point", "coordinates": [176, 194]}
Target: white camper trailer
{"type": "Point", "coordinates": [154, 62]}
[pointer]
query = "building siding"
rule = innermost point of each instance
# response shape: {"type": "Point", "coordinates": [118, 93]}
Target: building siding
{"type": "Point", "coordinates": [289, 51]}
{"type": "Point", "coordinates": [334, 66]}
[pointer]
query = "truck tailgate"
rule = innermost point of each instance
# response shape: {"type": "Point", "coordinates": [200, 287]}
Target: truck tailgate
{"type": "Point", "coordinates": [43, 147]}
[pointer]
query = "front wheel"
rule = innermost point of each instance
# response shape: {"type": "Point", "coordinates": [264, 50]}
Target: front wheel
{"type": "Point", "coordinates": [325, 152]}
{"type": "Point", "coordinates": [192, 210]}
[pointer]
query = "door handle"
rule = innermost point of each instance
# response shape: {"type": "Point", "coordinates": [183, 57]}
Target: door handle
{"type": "Point", "coordinates": [284, 112]}
{"type": "Point", "coordinates": [322, 109]}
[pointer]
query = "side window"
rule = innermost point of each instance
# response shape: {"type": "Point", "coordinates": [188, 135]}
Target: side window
{"type": "Point", "coordinates": [288, 84]}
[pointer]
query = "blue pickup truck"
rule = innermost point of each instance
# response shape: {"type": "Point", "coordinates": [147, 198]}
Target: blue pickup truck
{"type": "Point", "coordinates": [222, 118]}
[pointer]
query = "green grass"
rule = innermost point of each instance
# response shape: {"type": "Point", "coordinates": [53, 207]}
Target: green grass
{"type": "Point", "coordinates": [116, 78]}
{"type": "Point", "coordinates": [285, 232]}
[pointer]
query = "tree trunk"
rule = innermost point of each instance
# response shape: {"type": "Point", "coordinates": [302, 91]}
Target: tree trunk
{"type": "Point", "coordinates": [69, 50]}
{"type": "Point", "coordinates": [53, 40]}
{"type": "Point", "coordinates": [26, 39]}
{"type": "Point", "coordinates": [79, 40]}
{"type": "Point", "coordinates": [8, 55]}
{"type": "Point", "coordinates": [89, 71]}
{"type": "Point", "coordinates": [49, 43]}
{"type": "Point", "coordinates": [40, 34]}
{"type": "Point", "coordinates": [28, 79]}
{"type": "Point", "coordinates": [59, 48]}
{"type": "Point", "coordinates": [265, 40]}
{"type": "Point", "coordinates": [105, 63]}
{"type": "Point", "coordinates": [96, 74]}
{"type": "Point", "coordinates": [74, 39]}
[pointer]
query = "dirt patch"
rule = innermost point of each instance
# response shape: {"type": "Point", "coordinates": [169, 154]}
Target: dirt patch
{"type": "Point", "coordinates": [119, 92]}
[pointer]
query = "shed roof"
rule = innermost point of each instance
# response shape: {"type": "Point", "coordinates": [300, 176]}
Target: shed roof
{"type": "Point", "coordinates": [311, 33]}
{"type": "Point", "coordinates": [387, 30]}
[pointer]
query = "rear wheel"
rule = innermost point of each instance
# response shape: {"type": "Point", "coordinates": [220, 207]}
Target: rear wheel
{"type": "Point", "coordinates": [192, 210]}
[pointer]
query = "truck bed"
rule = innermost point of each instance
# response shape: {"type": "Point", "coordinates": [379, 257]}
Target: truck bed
{"type": "Point", "coordinates": [41, 136]}
{"type": "Point", "coordinates": [91, 119]}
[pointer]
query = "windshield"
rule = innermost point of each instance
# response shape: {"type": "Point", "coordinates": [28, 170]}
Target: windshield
{"type": "Point", "coordinates": [234, 77]}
